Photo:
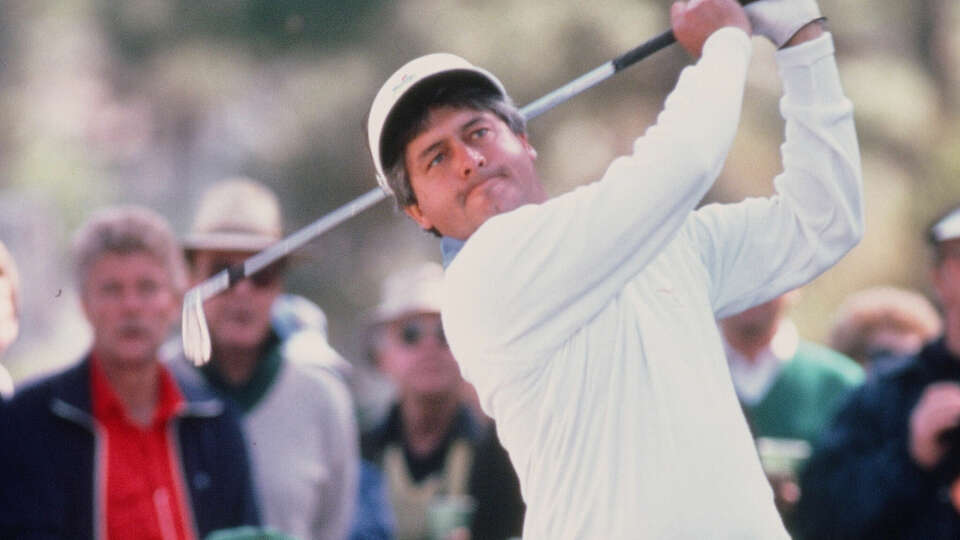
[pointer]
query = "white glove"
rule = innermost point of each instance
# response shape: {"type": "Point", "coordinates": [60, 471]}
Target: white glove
{"type": "Point", "coordinates": [779, 20]}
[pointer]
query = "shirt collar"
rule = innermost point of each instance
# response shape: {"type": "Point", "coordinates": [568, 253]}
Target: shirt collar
{"type": "Point", "coordinates": [449, 247]}
{"type": "Point", "coordinates": [107, 404]}
{"type": "Point", "coordinates": [247, 395]}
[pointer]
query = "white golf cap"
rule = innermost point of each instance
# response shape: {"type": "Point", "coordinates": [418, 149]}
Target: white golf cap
{"type": "Point", "coordinates": [947, 227]}
{"type": "Point", "coordinates": [398, 90]}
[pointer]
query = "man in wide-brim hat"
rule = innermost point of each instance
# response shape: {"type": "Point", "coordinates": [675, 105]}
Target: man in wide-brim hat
{"type": "Point", "coordinates": [298, 418]}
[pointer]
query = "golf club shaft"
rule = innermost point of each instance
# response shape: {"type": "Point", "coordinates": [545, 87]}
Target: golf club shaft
{"type": "Point", "coordinates": [601, 73]}
{"type": "Point", "coordinates": [227, 278]}
{"type": "Point", "coordinates": [597, 75]}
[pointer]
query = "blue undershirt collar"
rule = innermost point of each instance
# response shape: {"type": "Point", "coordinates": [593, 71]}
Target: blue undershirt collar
{"type": "Point", "coordinates": [449, 247]}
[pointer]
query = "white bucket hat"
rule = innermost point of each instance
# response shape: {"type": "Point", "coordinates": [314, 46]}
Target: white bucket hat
{"type": "Point", "coordinates": [399, 90]}
{"type": "Point", "coordinates": [237, 214]}
{"type": "Point", "coordinates": [415, 290]}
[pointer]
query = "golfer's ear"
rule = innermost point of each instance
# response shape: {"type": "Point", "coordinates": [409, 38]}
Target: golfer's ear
{"type": "Point", "coordinates": [413, 210]}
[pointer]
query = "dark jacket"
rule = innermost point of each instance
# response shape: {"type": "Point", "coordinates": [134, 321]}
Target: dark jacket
{"type": "Point", "coordinates": [49, 481]}
{"type": "Point", "coordinates": [861, 481]}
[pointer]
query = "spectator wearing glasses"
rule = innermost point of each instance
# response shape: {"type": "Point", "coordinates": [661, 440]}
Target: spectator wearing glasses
{"type": "Point", "coordinates": [297, 415]}
{"type": "Point", "coordinates": [433, 450]}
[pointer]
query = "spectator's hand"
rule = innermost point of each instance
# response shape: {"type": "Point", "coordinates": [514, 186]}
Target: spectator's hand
{"type": "Point", "coordinates": [781, 20]}
{"type": "Point", "coordinates": [695, 21]}
{"type": "Point", "coordinates": [937, 412]}
{"type": "Point", "coordinates": [786, 491]}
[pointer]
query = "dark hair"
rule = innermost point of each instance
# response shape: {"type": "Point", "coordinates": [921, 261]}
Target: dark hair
{"type": "Point", "coordinates": [409, 119]}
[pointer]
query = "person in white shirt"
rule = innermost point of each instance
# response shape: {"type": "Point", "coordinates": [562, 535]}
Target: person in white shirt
{"type": "Point", "coordinates": [274, 364]}
{"type": "Point", "coordinates": [587, 321]}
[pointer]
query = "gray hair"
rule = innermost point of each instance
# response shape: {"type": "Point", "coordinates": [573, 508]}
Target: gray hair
{"type": "Point", "coordinates": [124, 230]}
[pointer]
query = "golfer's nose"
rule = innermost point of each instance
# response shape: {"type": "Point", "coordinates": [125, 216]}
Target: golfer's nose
{"type": "Point", "coordinates": [471, 160]}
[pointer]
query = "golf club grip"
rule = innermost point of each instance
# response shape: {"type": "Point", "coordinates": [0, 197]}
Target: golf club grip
{"type": "Point", "coordinates": [643, 50]}
{"type": "Point", "coordinates": [649, 47]}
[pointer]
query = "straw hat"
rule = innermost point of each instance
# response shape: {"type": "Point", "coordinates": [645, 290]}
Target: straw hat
{"type": "Point", "coordinates": [237, 214]}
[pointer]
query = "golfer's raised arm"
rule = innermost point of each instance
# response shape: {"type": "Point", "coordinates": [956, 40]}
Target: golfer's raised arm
{"type": "Point", "coordinates": [579, 249]}
{"type": "Point", "coordinates": [762, 247]}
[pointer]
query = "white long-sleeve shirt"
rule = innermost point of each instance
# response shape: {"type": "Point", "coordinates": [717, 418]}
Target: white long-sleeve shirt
{"type": "Point", "coordinates": [587, 323]}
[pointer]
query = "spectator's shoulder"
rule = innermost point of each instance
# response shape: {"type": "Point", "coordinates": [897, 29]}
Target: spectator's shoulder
{"type": "Point", "coordinates": [830, 363]}
{"type": "Point", "coordinates": [38, 392]}
{"type": "Point", "coordinates": [896, 368]}
{"type": "Point", "coordinates": [888, 383]}
{"type": "Point", "coordinates": [309, 351]}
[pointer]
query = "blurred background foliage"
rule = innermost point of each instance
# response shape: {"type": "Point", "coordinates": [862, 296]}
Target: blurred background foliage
{"type": "Point", "coordinates": [105, 102]}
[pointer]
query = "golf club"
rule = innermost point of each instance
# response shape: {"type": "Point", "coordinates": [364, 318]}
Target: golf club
{"type": "Point", "coordinates": [194, 330]}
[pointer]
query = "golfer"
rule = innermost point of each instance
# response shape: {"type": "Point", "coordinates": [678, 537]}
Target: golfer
{"type": "Point", "coordinates": [586, 321]}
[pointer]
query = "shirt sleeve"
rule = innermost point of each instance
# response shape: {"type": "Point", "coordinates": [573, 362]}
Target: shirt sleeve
{"type": "Point", "coordinates": [542, 271]}
{"type": "Point", "coordinates": [759, 248]}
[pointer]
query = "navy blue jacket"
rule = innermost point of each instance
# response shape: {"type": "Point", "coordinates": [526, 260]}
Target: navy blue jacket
{"type": "Point", "coordinates": [861, 481]}
{"type": "Point", "coordinates": [48, 461]}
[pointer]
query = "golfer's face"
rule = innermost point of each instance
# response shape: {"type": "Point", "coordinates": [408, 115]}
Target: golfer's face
{"type": "Point", "coordinates": [131, 303]}
{"type": "Point", "coordinates": [467, 166]}
{"type": "Point", "coordinates": [240, 317]}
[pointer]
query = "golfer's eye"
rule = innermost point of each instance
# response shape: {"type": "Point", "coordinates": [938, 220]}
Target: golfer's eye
{"type": "Point", "coordinates": [480, 133]}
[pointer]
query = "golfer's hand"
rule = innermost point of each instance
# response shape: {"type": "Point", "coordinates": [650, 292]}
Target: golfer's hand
{"type": "Point", "coordinates": [937, 412]}
{"type": "Point", "coordinates": [782, 20]}
{"type": "Point", "coordinates": [694, 21]}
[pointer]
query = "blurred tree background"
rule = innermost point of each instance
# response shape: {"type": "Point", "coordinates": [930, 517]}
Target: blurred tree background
{"type": "Point", "coordinates": [149, 101]}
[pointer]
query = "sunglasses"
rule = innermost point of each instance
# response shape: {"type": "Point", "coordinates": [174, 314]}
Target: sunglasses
{"type": "Point", "coordinates": [264, 278]}
{"type": "Point", "coordinates": [414, 331]}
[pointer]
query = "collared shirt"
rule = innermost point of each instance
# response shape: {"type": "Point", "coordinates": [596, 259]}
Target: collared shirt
{"type": "Point", "coordinates": [145, 494]}
{"type": "Point", "coordinates": [752, 378]}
